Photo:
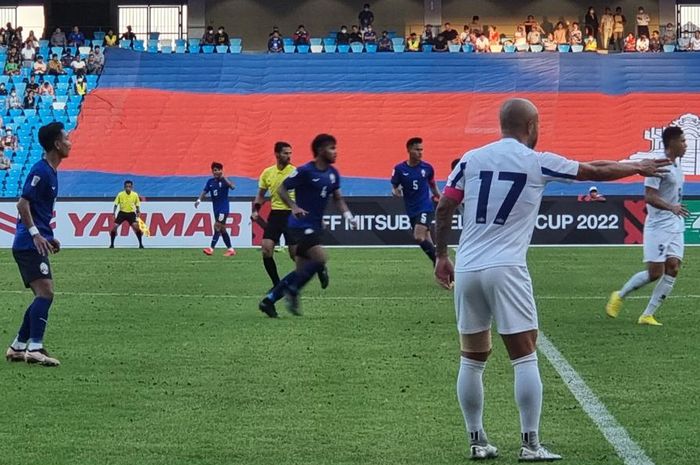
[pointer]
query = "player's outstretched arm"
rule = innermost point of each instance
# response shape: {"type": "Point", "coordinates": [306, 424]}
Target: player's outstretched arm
{"type": "Point", "coordinates": [258, 203]}
{"type": "Point", "coordinates": [230, 183]}
{"type": "Point", "coordinates": [611, 170]}
{"type": "Point", "coordinates": [201, 197]}
{"type": "Point", "coordinates": [284, 195]}
{"type": "Point", "coordinates": [43, 246]}
{"type": "Point", "coordinates": [444, 270]}
{"type": "Point", "coordinates": [652, 197]}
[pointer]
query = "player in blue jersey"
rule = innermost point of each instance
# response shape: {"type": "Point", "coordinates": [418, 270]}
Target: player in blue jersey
{"type": "Point", "coordinates": [313, 184]}
{"type": "Point", "coordinates": [414, 180]}
{"type": "Point", "coordinates": [218, 187]}
{"type": "Point", "coordinates": [33, 244]}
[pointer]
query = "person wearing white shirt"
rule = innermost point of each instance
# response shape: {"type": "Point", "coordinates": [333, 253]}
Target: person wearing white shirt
{"type": "Point", "coordinates": [643, 44]}
{"type": "Point", "coordinates": [642, 22]}
{"type": "Point", "coordinates": [78, 65]}
{"type": "Point", "coordinates": [482, 43]}
{"type": "Point", "coordinates": [5, 163]}
{"type": "Point", "coordinates": [28, 54]}
{"type": "Point", "coordinates": [500, 187]}
{"type": "Point", "coordinates": [695, 42]}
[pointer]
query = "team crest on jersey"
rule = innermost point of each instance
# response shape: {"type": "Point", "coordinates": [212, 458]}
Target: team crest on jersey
{"type": "Point", "coordinates": [44, 269]}
{"type": "Point", "coordinates": [422, 173]}
{"type": "Point", "coordinates": [332, 176]}
{"type": "Point", "coordinates": [690, 124]}
{"type": "Point", "coordinates": [35, 181]}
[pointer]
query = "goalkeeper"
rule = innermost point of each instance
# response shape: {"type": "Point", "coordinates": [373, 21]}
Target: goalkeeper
{"type": "Point", "coordinates": [127, 208]}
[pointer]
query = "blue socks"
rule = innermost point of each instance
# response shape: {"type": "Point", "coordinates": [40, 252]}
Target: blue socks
{"type": "Point", "coordinates": [23, 333]}
{"type": "Point", "coordinates": [277, 292]}
{"type": "Point", "coordinates": [38, 318]}
{"type": "Point", "coordinates": [295, 280]}
{"type": "Point", "coordinates": [215, 239]}
{"type": "Point", "coordinates": [226, 238]}
{"type": "Point", "coordinates": [429, 249]}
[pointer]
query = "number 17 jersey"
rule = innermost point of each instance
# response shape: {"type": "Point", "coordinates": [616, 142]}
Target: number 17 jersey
{"type": "Point", "coordinates": [501, 185]}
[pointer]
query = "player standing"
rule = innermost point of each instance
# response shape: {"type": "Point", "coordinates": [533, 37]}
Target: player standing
{"type": "Point", "coordinates": [127, 207]}
{"type": "Point", "coordinates": [33, 243]}
{"type": "Point", "coordinates": [313, 184]}
{"type": "Point", "coordinates": [217, 187]}
{"type": "Point", "coordinates": [414, 180]}
{"type": "Point", "coordinates": [663, 232]}
{"type": "Point", "coordinates": [501, 187]}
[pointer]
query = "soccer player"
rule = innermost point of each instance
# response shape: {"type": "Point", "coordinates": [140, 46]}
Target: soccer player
{"type": "Point", "coordinates": [33, 243]}
{"type": "Point", "coordinates": [501, 187]}
{"type": "Point", "coordinates": [217, 187]}
{"type": "Point", "coordinates": [414, 180]}
{"type": "Point", "coordinates": [313, 184]}
{"type": "Point", "coordinates": [663, 232]}
{"type": "Point", "coordinates": [127, 207]}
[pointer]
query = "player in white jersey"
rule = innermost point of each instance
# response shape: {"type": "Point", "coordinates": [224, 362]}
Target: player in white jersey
{"type": "Point", "coordinates": [663, 232]}
{"type": "Point", "coordinates": [500, 186]}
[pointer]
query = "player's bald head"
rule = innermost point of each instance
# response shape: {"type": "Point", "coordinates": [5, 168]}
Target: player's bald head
{"type": "Point", "coordinates": [519, 118]}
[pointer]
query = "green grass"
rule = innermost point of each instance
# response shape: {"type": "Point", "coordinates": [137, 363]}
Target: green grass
{"type": "Point", "coordinates": [166, 360]}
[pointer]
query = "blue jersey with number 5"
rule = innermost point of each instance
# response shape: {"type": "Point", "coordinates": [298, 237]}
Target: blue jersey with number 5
{"type": "Point", "coordinates": [415, 182]}
{"type": "Point", "coordinates": [502, 186]}
{"type": "Point", "coordinates": [312, 188]}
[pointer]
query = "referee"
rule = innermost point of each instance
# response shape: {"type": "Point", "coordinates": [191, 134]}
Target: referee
{"type": "Point", "coordinates": [127, 208]}
{"type": "Point", "coordinates": [270, 180]}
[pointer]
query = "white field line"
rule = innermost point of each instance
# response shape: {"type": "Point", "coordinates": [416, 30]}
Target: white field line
{"type": "Point", "coordinates": [627, 449]}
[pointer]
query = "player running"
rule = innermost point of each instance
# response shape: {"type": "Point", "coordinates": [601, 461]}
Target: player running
{"type": "Point", "coordinates": [270, 180]}
{"type": "Point", "coordinates": [663, 232]}
{"type": "Point", "coordinates": [501, 187]}
{"type": "Point", "coordinates": [218, 187]}
{"type": "Point", "coordinates": [33, 243]}
{"type": "Point", "coordinates": [127, 207]}
{"type": "Point", "coordinates": [313, 184]}
{"type": "Point", "coordinates": [414, 180]}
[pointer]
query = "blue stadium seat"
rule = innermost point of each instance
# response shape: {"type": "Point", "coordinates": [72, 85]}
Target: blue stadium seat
{"type": "Point", "coordinates": [63, 78]}
{"type": "Point", "coordinates": [289, 48]}
{"type": "Point", "coordinates": [535, 48]}
{"type": "Point", "coordinates": [236, 41]}
{"type": "Point", "coordinates": [19, 119]}
{"type": "Point", "coordinates": [669, 48]}
{"type": "Point", "coordinates": [468, 48]}
{"type": "Point", "coordinates": [236, 48]}
{"type": "Point", "coordinates": [152, 49]}
{"type": "Point", "coordinates": [4, 78]}
{"type": "Point", "coordinates": [152, 43]}
{"type": "Point", "coordinates": [20, 88]}
{"type": "Point", "coordinates": [180, 49]}
{"type": "Point", "coordinates": [396, 41]}
{"type": "Point", "coordinates": [124, 44]}
{"type": "Point", "coordinates": [45, 112]}
{"type": "Point", "coordinates": [343, 48]}
{"type": "Point", "coordinates": [139, 46]}
{"type": "Point", "coordinates": [98, 43]}
{"type": "Point", "coordinates": [193, 45]}
{"type": "Point", "coordinates": [221, 49]}
{"type": "Point", "coordinates": [577, 48]}
{"type": "Point", "coordinates": [330, 48]}
{"type": "Point", "coordinates": [357, 47]}
{"type": "Point", "coordinates": [399, 48]}
{"type": "Point", "coordinates": [455, 48]}
{"type": "Point", "coordinates": [84, 51]}
{"type": "Point", "coordinates": [564, 48]}
{"type": "Point", "coordinates": [180, 42]}
{"type": "Point", "coordinates": [166, 49]}
{"type": "Point", "coordinates": [317, 49]}
{"type": "Point", "coordinates": [44, 52]}
{"type": "Point", "coordinates": [510, 48]}
{"type": "Point", "coordinates": [99, 35]}
{"type": "Point", "coordinates": [73, 112]}
{"type": "Point", "coordinates": [15, 112]}
{"type": "Point", "coordinates": [371, 48]}
{"type": "Point", "coordinates": [329, 41]}
{"type": "Point", "coordinates": [87, 43]}
{"type": "Point", "coordinates": [57, 51]}
{"type": "Point", "coordinates": [303, 49]}
{"type": "Point", "coordinates": [315, 41]}
{"type": "Point", "coordinates": [73, 50]}
{"type": "Point", "coordinates": [43, 43]}
{"type": "Point", "coordinates": [427, 48]}
{"type": "Point", "coordinates": [207, 49]}
{"type": "Point", "coordinates": [287, 41]}
{"type": "Point", "coordinates": [62, 98]}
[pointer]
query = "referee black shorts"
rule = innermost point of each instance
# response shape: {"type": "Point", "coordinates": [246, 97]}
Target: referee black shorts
{"type": "Point", "coordinates": [277, 226]}
{"type": "Point", "coordinates": [32, 265]}
{"type": "Point", "coordinates": [123, 216]}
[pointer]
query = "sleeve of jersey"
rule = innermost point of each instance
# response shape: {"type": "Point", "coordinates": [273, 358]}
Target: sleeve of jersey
{"type": "Point", "coordinates": [262, 182]}
{"type": "Point", "coordinates": [336, 185]}
{"type": "Point", "coordinates": [32, 186]}
{"type": "Point", "coordinates": [654, 183]}
{"type": "Point", "coordinates": [116, 200]}
{"type": "Point", "coordinates": [138, 201]}
{"type": "Point", "coordinates": [557, 168]}
{"type": "Point", "coordinates": [395, 178]}
{"type": "Point", "coordinates": [294, 179]}
{"type": "Point", "coordinates": [454, 189]}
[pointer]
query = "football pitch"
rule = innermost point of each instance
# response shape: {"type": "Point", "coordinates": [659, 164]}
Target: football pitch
{"type": "Point", "coordinates": [166, 360]}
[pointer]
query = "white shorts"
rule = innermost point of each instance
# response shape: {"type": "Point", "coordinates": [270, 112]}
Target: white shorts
{"type": "Point", "coordinates": [503, 293]}
{"type": "Point", "coordinates": [660, 245]}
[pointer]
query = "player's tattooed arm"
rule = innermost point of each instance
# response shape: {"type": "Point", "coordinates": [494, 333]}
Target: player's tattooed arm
{"type": "Point", "coordinates": [652, 197]}
{"type": "Point", "coordinates": [284, 195]}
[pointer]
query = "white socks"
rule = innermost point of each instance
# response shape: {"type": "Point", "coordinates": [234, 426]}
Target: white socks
{"type": "Point", "coordinates": [640, 279]}
{"type": "Point", "coordinates": [661, 291]}
{"type": "Point", "coordinates": [528, 392]}
{"type": "Point", "coordinates": [16, 345]}
{"type": "Point", "coordinates": [470, 392]}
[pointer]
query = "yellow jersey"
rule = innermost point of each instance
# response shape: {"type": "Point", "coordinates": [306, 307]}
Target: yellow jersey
{"type": "Point", "coordinates": [271, 179]}
{"type": "Point", "coordinates": [127, 202]}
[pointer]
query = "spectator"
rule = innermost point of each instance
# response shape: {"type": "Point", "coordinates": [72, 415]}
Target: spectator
{"type": "Point", "coordinates": [607, 24]}
{"type": "Point", "coordinates": [58, 38]}
{"type": "Point", "coordinates": [695, 42]}
{"type": "Point", "coordinates": [3, 89]}
{"type": "Point", "coordinates": [111, 39]}
{"type": "Point", "coordinates": [9, 141]}
{"type": "Point", "coordinates": [17, 39]}
{"type": "Point", "coordinates": [13, 101]}
{"type": "Point", "coordinates": [385, 44]}
{"type": "Point", "coordinates": [534, 37]}
{"type": "Point", "coordinates": [355, 35]}
{"type": "Point", "coordinates": [655, 42]}
{"type": "Point", "coordinates": [529, 23]}
{"type": "Point", "coordinates": [66, 58]}
{"type": "Point", "coordinates": [80, 86]}
{"type": "Point", "coordinates": [209, 38]}
{"type": "Point", "coordinates": [520, 36]}
{"type": "Point", "coordinates": [669, 37]}
{"type": "Point", "coordinates": [32, 40]}
{"type": "Point", "coordinates": [413, 43]}
{"type": "Point", "coordinates": [476, 24]}
{"type": "Point", "coordinates": [96, 61]}
{"type": "Point", "coordinates": [301, 37]}
{"type": "Point", "coordinates": [2, 37]}
{"type": "Point", "coordinates": [78, 65]}
{"type": "Point", "coordinates": [684, 41]}
{"type": "Point", "coordinates": [576, 36]}
{"type": "Point", "coordinates": [39, 66]}
{"type": "Point", "coordinates": [591, 22]}
{"type": "Point", "coordinates": [642, 44]}
{"type": "Point", "coordinates": [76, 38]}
{"type": "Point", "coordinates": [342, 37]}
{"type": "Point", "coordinates": [366, 17]}
{"type": "Point", "coordinates": [427, 37]}
{"type": "Point", "coordinates": [221, 37]}
{"type": "Point", "coordinates": [440, 43]}
{"type": "Point", "coordinates": [5, 162]}
{"type": "Point", "coordinates": [593, 196]}
{"type": "Point", "coordinates": [128, 35]}
{"type": "Point", "coordinates": [494, 35]}
{"type": "Point", "coordinates": [46, 89]}
{"type": "Point", "coordinates": [32, 85]}
{"type": "Point", "coordinates": [55, 66]}
{"type": "Point", "coordinates": [560, 34]}
{"type": "Point", "coordinates": [464, 35]}
{"type": "Point", "coordinates": [590, 44]}
{"type": "Point", "coordinates": [275, 29]}
{"type": "Point", "coordinates": [630, 44]}
{"type": "Point", "coordinates": [12, 68]}
{"type": "Point", "coordinates": [642, 22]}
{"type": "Point", "coordinates": [550, 45]}
{"type": "Point", "coordinates": [450, 33]}
{"type": "Point", "coordinates": [482, 44]}
{"type": "Point", "coordinates": [9, 34]}
{"type": "Point", "coordinates": [28, 55]}
{"type": "Point", "coordinates": [275, 44]}
{"type": "Point", "coordinates": [30, 101]}
{"type": "Point", "coordinates": [13, 55]}
{"type": "Point", "coordinates": [369, 36]}
{"type": "Point", "coordinates": [619, 28]}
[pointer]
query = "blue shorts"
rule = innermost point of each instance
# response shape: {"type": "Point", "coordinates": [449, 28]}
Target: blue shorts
{"type": "Point", "coordinates": [221, 216]}
{"type": "Point", "coordinates": [32, 265]}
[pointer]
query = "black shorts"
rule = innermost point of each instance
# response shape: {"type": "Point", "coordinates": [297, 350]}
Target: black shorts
{"type": "Point", "coordinates": [425, 218]}
{"type": "Point", "coordinates": [305, 240]}
{"type": "Point", "coordinates": [123, 216]}
{"type": "Point", "coordinates": [32, 265]}
{"type": "Point", "coordinates": [277, 226]}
